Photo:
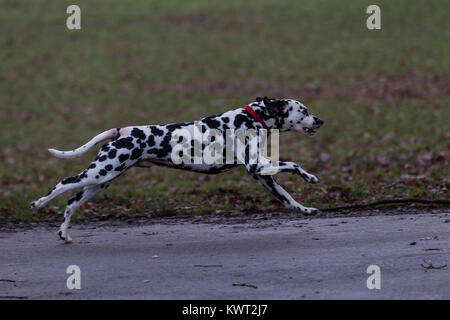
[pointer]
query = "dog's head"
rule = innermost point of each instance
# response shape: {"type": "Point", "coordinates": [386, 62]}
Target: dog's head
{"type": "Point", "coordinates": [292, 115]}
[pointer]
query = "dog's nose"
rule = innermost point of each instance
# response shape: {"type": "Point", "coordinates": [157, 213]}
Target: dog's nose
{"type": "Point", "coordinates": [318, 121]}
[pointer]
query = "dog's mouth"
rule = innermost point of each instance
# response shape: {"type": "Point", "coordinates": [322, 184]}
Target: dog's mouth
{"type": "Point", "coordinates": [310, 131]}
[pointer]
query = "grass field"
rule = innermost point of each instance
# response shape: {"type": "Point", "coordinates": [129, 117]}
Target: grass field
{"type": "Point", "coordinates": [384, 95]}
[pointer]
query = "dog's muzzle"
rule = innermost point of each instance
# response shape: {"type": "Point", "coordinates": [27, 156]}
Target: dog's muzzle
{"type": "Point", "coordinates": [311, 131]}
{"type": "Point", "coordinates": [318, 122]}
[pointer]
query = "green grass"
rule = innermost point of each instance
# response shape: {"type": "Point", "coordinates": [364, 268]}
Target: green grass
{"type": "Point", "coordinates": [383, 94]}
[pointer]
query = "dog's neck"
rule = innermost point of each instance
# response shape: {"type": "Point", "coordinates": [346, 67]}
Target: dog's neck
{"type": "Point", "coordinates": [271, 118]}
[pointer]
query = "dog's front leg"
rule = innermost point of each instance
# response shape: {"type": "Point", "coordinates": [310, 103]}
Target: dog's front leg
{"type": "Point", "coordinates": [270, 184]}
{"type": "Point", "coordinates": [283, 166]}
{"type": "Point", "coordinates": [295, 168]}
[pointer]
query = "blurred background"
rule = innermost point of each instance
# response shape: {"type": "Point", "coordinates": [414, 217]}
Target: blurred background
{"type": "Point", "coordinates": [384, 95]}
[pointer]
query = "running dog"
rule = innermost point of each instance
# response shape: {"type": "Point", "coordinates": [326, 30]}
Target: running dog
{"type": "Point", "coordinates": [144, 146]}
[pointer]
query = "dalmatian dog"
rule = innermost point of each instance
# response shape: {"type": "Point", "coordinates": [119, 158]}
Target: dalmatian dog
{"type": "Point", "coordinates": [148, 145]}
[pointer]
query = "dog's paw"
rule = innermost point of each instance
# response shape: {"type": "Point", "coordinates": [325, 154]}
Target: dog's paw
{"type": "Point", "coordinates": [307, 211]}
{"type": "Point", "coordinates": [312, 211]}
{"type": "Point", "coordinates": [64, 236]}
{"type": "Point", "coordinates": [36, 205]}
{"type": "Point", "coordinates": [309, 178]}
{"type": "Point", "coordinates": [312, 179]}
{"type": "Point", "coordinates": [33, 206]}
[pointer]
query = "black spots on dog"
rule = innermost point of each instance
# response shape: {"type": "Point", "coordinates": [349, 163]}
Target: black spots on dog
{"type": "Point", "coordinates": [151, 141]}
{"type": "Point", "coordinates": [121, 167]}
{"type": "Point", "coordinates": [124, 157]}
{"type": "Point", "coordinates": [112, 153]}
{"type": "Point", "coordinates": [282, 198]}
{"type": "Point", "coordinates": [92, 166]}
{"type": "Point", "coordinates": [108, 167]}
{"type": "Point", "coordinates": [124, 143]}
{"type": "Point", "coordinates": [105, 148]}
{"type": "Point", "coordinates": [271, 184]}
{"type": "Point", "coordinates": [138, 133]}
{"type": "Point", "coordinates": [73, 179]}
{"type": "Point", "coordinates": [226, 119]}
{"type": "Point", "coordinates": [103, 172]}
{"type": "Point", "coordinates": [273, 102]}
{"type": "Point", "coordinates": [265, 114]}
{"type": "Point", "coordinates": [211, 122]}
{"type": "Point", "coordinates": [241, 119]}
{"type": "Point", "coordinates": [77, 197]}
{"type": "Point", "coordinates": [97, 177]}
{"type": "Point", "coordinates": [165, 143]}
{"type": "Point", "coordinates": [279, 122]}
{"type": "Point", "coordinates": [136, 153]}
{"type": "Point", "coordinates": [83, 174]}
{"type": "Point", "coordinates": [155, 131]}
{"type": "Point", "coordinates": [117, 136]}
{"type": "Point", "coordinates": [304, 176]}
{"type": "Point", "coordinates": [172, 127]}
{"type": "Point", "coordinates": [102, 158]}
{"type": "Point", "coordinates": [160, 153]}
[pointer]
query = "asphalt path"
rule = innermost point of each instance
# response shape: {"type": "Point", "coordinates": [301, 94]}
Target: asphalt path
{"type": "Point", "coordinates": [268, 257]}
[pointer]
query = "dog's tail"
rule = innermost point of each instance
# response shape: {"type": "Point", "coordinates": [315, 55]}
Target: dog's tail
{"type": "Point", "coordinates": [109, 134]}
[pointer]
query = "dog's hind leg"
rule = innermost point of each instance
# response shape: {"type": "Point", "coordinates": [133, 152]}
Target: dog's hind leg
{"type": "Point", "coordinates": [77, 181]}
{"type": "Point", "coordinates": [76, 202]}
{"type": "Point", "coordinates": [270, 184]}
{"type": "Point", "coordinates": [107, 166]}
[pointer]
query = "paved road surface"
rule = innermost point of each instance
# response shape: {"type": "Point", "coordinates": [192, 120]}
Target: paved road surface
{"type": "Point", "coordinates": [271, 258]}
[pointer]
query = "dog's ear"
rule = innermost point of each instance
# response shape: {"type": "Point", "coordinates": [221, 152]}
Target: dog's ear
{"type": "Point", "coordinates": [273, 103]}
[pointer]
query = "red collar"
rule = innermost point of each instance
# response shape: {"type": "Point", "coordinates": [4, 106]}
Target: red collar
{"type": "Point", "coordinates": [258, 118]}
